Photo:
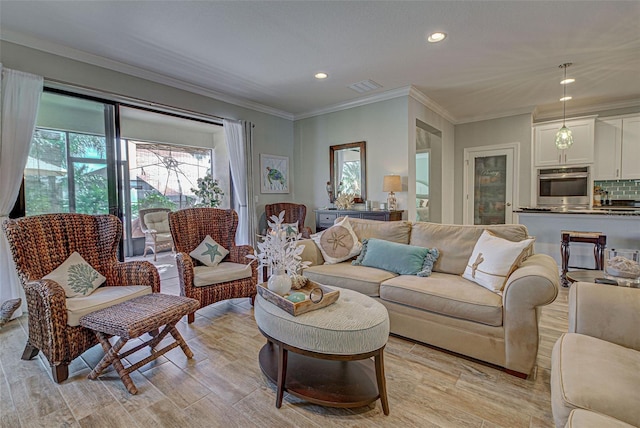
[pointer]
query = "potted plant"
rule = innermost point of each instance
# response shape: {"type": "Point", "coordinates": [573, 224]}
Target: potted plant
{"type": "Point", "coordinates": [280, 252]}
{"type": "Point", "coordinates": [209, 192]}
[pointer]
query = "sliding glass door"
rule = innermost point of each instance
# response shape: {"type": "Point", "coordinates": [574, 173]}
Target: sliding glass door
{"type": "Point", "coordinates": [70, 164]}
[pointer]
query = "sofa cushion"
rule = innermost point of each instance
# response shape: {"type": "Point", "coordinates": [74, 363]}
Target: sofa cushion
{"type": "Point", "coordinates": [338, 243]}
{"type": "Point", "coordinates": [223, 272]}
{"type": "Point", "coordinates": [76, 277]}
{"type": "Point", "coordinates": [365, 280]}
{"type": "Point", "coordinates": [455, 242]}
{"type": "Point", "coordinates": [103, 297]}
{"type": "Point", "coordinates": [394, 231]}
{"type": "Point", "coordinates": [445, 294]}
{"type": "Point", "coordinates": [398, 258]}
{"type": "Point", "coordinates": [590, 373]}
{"type": "Point", "coordinates": [579, 418]}
{"type": "Point", "coordinates": [493, 259]}
{"type": "Point", "coordinates": [158, 221]}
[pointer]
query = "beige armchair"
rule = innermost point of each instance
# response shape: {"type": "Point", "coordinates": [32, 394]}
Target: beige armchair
{"type": "Point", "coordinates": [154, 222]}
{"type": "Point", "coordinates": [595, 367]}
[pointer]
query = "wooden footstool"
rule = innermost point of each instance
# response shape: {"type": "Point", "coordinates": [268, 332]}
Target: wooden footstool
{"type": "Point", "coordinates": [133, 318]}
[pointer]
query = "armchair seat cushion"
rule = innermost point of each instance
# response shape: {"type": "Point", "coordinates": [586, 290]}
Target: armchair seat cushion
{"type": "Point", "coordinates": [163, 236]}
{"type": "Point", "coordinates": [445, 294]}
{"type": "Point", "coordinates": [586, 419]}
{"type": "Point", "coordinates": [589, 373]}
{"type": "Point", "coordinates": [102, 297]}
{"type": "Point", "coordinates": [223, 272]}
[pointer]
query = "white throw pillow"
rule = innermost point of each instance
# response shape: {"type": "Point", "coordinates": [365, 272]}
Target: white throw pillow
{"type": "Point", "coordinates": [76, 276]}
{"type": "Point", "coordinates": [338, 243]}
{"type": "Point", "coordinates": [291, 229]}
{"type": "Point", "coordinates": [209, 252]}
{"type": "Point", "coordinates": [493, 259]}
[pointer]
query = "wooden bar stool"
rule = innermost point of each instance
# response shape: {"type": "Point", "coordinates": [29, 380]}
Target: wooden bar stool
{"type": "Point", "coordinates": [598, 240]}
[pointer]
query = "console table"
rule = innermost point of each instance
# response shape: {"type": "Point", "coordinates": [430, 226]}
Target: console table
{"type": "Point", "coordinates": [325, 218]}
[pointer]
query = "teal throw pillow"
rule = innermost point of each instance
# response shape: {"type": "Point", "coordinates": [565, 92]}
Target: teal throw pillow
{"type": "Point", "coordinates": [398, 258]}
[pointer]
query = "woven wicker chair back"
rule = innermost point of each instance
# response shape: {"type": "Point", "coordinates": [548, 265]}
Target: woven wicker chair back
{"type": "Point", "coordinates": [292, 213]}
{"type": "Point", "coordinates": [190, 226]}
{"type": "Point", "coordinates": [41, 243]}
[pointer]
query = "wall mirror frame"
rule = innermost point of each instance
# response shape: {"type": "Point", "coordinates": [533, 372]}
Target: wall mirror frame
{"type": "Point", "coordinates": [339, 155]}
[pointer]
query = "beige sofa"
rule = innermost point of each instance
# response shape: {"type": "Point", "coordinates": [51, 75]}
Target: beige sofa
{"type": "Point", "coordinates": [444, 309]}
{"type": "Point", "coordinates": [595, 367]}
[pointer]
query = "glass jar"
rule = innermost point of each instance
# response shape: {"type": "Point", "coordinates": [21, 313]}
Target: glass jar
{"type": "Point", "coordinates": [623, 266]}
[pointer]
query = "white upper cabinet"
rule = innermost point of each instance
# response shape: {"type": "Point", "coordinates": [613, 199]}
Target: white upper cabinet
{"type": "Point", "coordinates": [617, 149]}
{"type": "Point", "coordinates": [630, 164]}
{"type": "Point", "coordinates": [580, 153]}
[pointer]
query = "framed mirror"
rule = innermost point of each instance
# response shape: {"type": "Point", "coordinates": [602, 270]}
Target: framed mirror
{"type": "Point", "coordinates": [347, 169]}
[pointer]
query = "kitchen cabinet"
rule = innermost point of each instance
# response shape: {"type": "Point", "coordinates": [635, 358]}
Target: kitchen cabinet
{"type": "Point", "coordinates": [580, 153]}
{"type": "Point", "coordinates": [617, 149]}
{"type": "Point", "coordinates": [325, 218]}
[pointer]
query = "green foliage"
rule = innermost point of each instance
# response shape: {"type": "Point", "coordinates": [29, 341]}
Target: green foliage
{"type": "Point", "coordinates": [156, 199]}
{"type": "Point", "coordinates": [208, 191]}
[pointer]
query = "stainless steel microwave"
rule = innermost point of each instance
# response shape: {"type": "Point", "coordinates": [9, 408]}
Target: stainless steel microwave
{"type": "Point", "coordinates": [563, 187]}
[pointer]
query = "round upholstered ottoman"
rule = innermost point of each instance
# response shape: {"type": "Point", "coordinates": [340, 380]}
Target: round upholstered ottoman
{"type": "Point", "coordinates": [354, 329]}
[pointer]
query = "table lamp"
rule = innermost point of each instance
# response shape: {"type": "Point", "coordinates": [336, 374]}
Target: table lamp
{"type": "Point", "coordinates": [391, 184]}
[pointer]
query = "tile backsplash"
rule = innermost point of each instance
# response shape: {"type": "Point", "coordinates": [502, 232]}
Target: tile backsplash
{"type": "Point", "coordinates": [620, 189]}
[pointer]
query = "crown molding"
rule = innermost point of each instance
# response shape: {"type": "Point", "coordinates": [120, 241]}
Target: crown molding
{"type": "Point", "coordinates": [419, 96]}
{"type": "Point", "coordinates": [508, 113]}
{"type": "Point", "coordinates": [382, 96]}
{"type": "Point", "coordinates": [594, 108]}
{"type": "Point", "coordinates": [85, 57]}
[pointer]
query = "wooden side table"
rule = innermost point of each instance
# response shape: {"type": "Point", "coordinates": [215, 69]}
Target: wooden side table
{"type": "Point", "coordinates": [133, 318]}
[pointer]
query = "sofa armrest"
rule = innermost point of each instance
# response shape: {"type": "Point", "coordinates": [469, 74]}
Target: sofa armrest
{"type": "Point", "coordinates": [535, 283]}
{"type": "Point", "coordinates": [311, 252]}
{"type": "Point", "coordinates": [607, 312]}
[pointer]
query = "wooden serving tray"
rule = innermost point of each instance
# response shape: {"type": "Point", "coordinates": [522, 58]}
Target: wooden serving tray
{"type": "Point", "coordinates": [330, 296]}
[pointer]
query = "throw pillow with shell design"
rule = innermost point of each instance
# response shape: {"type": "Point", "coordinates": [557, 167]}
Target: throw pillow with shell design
{"type": "Point", "coordinates": [338, 243]}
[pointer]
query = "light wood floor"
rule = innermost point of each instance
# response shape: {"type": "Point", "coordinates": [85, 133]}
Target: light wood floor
{"type": "Point", "coordinates": [223, 385]}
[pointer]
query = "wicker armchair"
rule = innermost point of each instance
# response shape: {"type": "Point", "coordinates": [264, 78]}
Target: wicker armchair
{"type": "Point", "coordinates": [188, 228]}
{"type": "Point", "coordinates": [155, 225]}
{"type": "Point", "coordinates": [293, 213]}
{"type": "Point", "coordinates": [39, 245]}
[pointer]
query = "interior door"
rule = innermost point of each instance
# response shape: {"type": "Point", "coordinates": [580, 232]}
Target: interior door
{"type": "Point", "coordinates": [490, 184]}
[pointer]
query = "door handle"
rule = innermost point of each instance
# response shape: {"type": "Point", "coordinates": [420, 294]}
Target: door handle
{"type": "Point", "coordinates": [508, 204]}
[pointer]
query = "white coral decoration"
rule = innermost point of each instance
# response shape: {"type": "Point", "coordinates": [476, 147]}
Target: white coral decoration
{"type": "Point", "coordinates": [344, 201]}
{"type": "Point", "coordinates": [278, 251]}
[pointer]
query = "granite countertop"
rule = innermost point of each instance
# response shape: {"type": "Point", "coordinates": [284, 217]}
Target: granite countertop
{"type": "Point", "coordinates": [596, 211]}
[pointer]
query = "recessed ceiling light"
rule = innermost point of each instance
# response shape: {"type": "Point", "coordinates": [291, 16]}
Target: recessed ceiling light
{"type": "Point", "coordinates": [436, 37]}
{"type": "Point", "coordinates": [567, 81]}
{"type": "Point", "coordinates": [567, 98]}
{"type": "Point", "coordinates": [321, 75]}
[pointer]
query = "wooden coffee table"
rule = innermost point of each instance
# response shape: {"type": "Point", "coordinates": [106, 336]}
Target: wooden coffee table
{"type": "Point", "coordinates": [584, 275]}
{"type": "Point", "coordinates": [133, 318]}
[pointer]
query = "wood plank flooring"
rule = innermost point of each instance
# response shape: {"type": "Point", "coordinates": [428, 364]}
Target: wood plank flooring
{"type": "Point", "coordinates": [222, 386]}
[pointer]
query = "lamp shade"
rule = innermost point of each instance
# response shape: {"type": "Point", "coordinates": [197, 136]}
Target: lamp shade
{"type": "Point", "coordinates": [392, 183]}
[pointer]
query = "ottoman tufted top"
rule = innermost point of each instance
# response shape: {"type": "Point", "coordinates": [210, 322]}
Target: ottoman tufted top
{"type": "Point", "coordinates": [354, 324]}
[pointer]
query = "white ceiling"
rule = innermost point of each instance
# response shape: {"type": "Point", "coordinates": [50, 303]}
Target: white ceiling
{"type": "Point", "coordinates": [501, 58]}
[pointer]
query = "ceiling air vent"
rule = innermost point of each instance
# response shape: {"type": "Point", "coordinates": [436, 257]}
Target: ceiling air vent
{"type": "Point", "coordinates": [365, 86]}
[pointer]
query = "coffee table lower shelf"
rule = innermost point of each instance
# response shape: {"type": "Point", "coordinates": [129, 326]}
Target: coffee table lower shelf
{"type": "Point", "coordinates": [332, 383]}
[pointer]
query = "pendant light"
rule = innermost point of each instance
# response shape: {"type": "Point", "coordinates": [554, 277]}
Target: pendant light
{"type": "Point", "coordinates": [564, 137]}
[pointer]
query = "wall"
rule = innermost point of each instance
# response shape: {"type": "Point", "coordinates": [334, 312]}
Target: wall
{"type": "Point", "coordinates": [441, 189]}
{"type": "Point", "coordinates": [494, 132]}
{"type": "Point", "coordinates": [384, 128]}
{"type": "Point", "coordinates": [272, 134]}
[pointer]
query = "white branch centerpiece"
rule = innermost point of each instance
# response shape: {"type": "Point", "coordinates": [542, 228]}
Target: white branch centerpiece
{"type": "Point", "coordinates": [280, 252]}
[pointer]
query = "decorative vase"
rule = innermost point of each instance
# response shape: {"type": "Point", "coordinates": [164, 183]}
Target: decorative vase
{"type": "Point", "coordinates": [279, 282]}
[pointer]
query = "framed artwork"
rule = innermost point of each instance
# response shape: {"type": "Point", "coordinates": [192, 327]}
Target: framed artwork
{"type": "Point", "coordinates": [274, 174]}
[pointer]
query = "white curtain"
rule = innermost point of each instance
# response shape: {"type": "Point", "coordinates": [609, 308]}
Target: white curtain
{"type": "Point", "coordinates": [239, 136]}
{"type": "Point", "coordinates": [20, 96]}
